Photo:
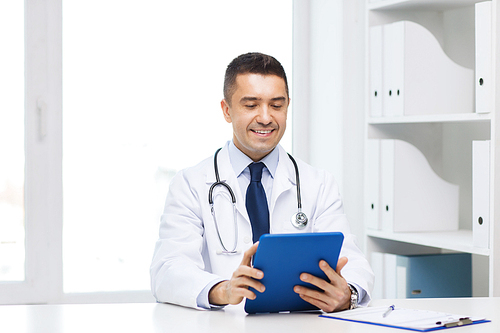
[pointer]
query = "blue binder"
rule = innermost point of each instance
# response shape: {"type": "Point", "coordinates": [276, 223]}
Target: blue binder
{"type": "Point", "coordinates": [437, 275]}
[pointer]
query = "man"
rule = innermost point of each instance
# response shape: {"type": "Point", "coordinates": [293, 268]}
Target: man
{"type": "Point", "coordinates": [191, 266]}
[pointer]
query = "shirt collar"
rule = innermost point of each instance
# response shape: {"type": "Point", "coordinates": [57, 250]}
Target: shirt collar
{"type": "Point", "coordinates": [240, 161]}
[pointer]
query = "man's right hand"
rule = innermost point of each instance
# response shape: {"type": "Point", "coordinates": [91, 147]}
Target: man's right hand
{"type": "Point", "coordinates": [233, 291]}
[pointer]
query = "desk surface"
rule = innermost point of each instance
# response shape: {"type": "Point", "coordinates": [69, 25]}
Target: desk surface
{"type": "Point", "coordinates": [151, 317]}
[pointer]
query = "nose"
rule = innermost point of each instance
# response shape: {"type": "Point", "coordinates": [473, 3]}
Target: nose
{"type": "Point", "coordinates": [264, 117]}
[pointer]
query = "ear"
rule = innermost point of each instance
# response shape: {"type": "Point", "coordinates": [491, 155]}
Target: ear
{"type": "Point", "coordinates": [225, 110]}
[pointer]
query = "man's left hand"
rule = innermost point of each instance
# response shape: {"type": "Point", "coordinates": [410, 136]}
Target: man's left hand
{"type": "Point", "coordinates": [334, 295]}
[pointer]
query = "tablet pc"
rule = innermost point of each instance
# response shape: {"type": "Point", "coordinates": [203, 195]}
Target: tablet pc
{"type": "Point", "coordinates": [282, 258]}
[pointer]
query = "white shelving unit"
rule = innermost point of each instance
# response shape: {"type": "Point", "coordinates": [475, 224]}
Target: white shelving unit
{"type": "Point", "coordinates": [444, 139]}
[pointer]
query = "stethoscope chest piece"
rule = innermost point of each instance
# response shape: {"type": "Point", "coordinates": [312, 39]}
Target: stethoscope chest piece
{"type": "Point", "coordinates": [299, 220]}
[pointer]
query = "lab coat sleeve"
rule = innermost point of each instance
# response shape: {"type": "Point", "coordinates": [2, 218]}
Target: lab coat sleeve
{"type": "Point", "coordinates": [330, 217]}
{"type": "Point", "coordinates": [178, 270]}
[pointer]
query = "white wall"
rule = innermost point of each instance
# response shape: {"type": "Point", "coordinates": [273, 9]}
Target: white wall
{"type": "Point", "coordinates": [317, 93]}
{"type": "Point", "coordinates": [328, 94]}
{"type": "Point", "coordinates": [354, 112]}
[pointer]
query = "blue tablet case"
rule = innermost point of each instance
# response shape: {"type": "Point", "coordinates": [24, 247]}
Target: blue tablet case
{"type": "Point", "coordinates": [282, 258]}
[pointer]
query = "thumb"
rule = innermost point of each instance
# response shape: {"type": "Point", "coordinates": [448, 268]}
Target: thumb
{"type": "Point", "coordinates": [247, 256]}
{"type": "Point", "coordinates": [340, 264]}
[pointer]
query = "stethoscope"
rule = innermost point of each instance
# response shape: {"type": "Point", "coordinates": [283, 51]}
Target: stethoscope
{"type": "Point", "coordinates": [299, 220]}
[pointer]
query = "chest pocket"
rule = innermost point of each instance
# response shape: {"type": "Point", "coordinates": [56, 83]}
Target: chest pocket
{"type": "Point", "coordinates": [284, 209]}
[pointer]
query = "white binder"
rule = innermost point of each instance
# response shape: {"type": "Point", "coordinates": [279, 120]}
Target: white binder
{"type": "Point", "coordinates": [387, 151]}
{"type": "Point", "coordinates": [376, 43]}
{"type": "Point", "coordinates": [413, 197]}
{"type": "Point", "coordinates": [372, 174]}
{"type": "Point", "coordinates": [418, 77]}
{"type": "Point", "coordinates": [481, 193]}
{"type": "Point", "coordinates": [393, 68]}
{"type": "Point", "coordinates": [390, 276]}
{"type": "Point", "coordinates": [484, 79]}
{"type": "Point", "coordinates": [378, 267]}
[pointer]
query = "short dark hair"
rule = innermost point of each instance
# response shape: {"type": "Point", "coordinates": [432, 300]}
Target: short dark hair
{"type": "Point", "coordinates": [254, 62]}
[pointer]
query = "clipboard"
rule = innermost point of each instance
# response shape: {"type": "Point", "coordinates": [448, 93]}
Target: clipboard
{"type": "Point", "coordinates": [408, 319]}
{"type": "Point", "coordinates": [282, 258]}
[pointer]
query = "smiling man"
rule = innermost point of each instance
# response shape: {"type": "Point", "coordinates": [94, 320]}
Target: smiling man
{"type": "Point", "coordinates": [216, 211]}
{"type": "Point", "coordinates": [257, 109]}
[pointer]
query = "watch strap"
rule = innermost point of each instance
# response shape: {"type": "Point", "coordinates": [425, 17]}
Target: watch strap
{"type": "Point", "coordinates": [354, 297]}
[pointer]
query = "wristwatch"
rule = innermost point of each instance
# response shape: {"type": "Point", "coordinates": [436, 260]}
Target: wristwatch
{"type": "Point", "coordinates": [354, 297]}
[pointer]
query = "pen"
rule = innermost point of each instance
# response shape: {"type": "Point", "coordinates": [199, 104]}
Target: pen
{"type": "Point", "coordinates": [388, 311]}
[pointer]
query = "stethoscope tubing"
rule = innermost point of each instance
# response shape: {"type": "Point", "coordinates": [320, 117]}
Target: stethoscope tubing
{"type": "Point", "coordinates": [297, 181]}
{"type": "Point", "coordinates": [212, 209]}
{"type": "Point", "coordinates": [299, 220]}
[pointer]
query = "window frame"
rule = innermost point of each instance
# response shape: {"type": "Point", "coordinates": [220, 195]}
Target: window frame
{"type": "Point", "coordinates": [43, 190]}
{"type": "Point", "coordinates": [42, 21]}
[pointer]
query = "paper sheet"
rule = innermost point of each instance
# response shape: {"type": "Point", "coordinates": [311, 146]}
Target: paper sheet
{"type": "Point", "coordinates": [420, 320]}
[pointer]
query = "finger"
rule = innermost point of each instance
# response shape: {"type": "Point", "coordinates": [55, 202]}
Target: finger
{"type": "Point", "coordinates": [318, 303]}
{"type": "Point", "coordinates": [237, 293]}
{"type": "Point", "coordinates": [246, 282]}
{"type": "Point", "coordinates": [317, 282]}
{"type": "Point", "coordinates": [301, 290]}
{"type": "Point", "coordinates": [239, 288]}
{"type": "Point", "coordinates": [247, 256]}
{"type": "Point", "coordinates": [308, 294]}
{"type": "Point", "coordinates": [332, 288]}
{"type": "Point", "coordinates": [246, 293]}
{"type": "Point", "coordinates": [327, 301]}
{"type": "Point", "coordinates": [329, 271]}
{"type": "Point", "coordinates": [340, 264]}
{"type": "Point", "coordinates": [334, 276]}
{"type": "Point", "coordinates": [243, 270]}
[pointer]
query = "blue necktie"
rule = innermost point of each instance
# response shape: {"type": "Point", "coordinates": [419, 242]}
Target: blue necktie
{"type": "Point", "coordinates": [256, 202]}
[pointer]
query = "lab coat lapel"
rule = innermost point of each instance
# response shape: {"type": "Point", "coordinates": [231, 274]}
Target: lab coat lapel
{"type": "Point", "coordinates": [226, 174]}
{"type": "Point", "coordinates": [284, 179]}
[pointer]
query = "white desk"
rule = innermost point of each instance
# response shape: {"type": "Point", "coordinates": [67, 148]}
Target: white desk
{"type": "Point", "coordinates": [150, 317]}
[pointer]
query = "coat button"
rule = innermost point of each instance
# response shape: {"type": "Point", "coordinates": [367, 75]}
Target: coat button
{"type": "Point", "coordinates": [247, 239]}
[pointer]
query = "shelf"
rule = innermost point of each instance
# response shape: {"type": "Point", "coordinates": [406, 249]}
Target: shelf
{"type": "Point", "coordinates": [460, 240]}
{"type": "Point", "coordinates": [436, 5]}
{"type": "Point", "coordinates": [438, 118]}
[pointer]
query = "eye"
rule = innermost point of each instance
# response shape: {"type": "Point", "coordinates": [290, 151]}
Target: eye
{"type": "Point", "coordinates": [251, 106]}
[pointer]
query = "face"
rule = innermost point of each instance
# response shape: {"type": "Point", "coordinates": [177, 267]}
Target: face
{"type": "Point", "coordinates": [257, 111]}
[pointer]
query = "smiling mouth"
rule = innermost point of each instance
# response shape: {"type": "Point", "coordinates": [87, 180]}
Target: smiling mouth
{"type": "Point", "coordinates": [262, 131]}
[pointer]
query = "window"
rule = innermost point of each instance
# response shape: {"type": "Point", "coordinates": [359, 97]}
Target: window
{"type": "Point", "coordinates": [142, 86]}
{"type": "Point", "coordinates": [102, 103]}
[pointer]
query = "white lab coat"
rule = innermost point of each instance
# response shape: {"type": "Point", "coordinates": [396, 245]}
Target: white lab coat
{"type": "Point", "coordinates": [185, 258]}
